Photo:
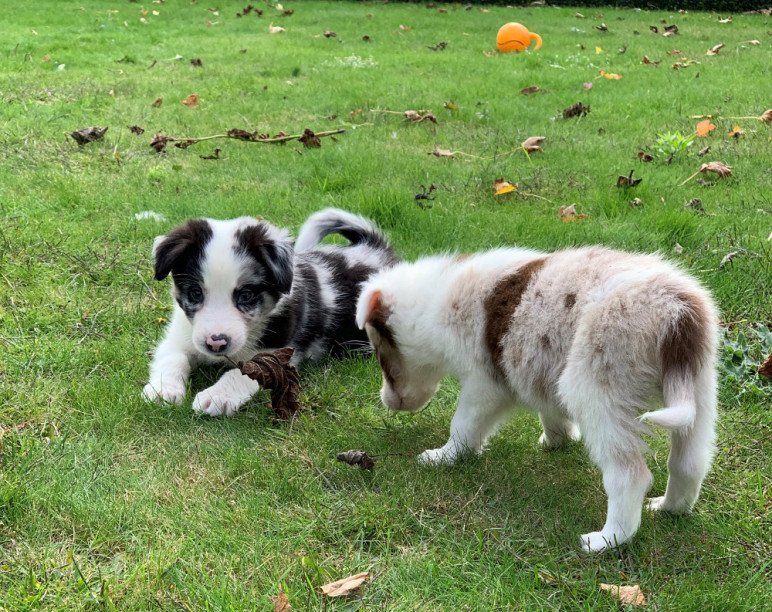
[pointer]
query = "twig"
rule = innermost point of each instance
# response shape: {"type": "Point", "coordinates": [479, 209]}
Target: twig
{"type": "Point", "coordinates": [186, 142]}
{"type": "Point", "coordinates": [689, 179]}
{"type": "Point", "coordinates": [533, 195]}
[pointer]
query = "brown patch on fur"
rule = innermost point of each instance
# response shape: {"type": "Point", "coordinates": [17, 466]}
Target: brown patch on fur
{"type": "Point", "coordinates": [389, 357]}
{"type": "Point", "coordinates": [685, 345]}
{"type": "Point", "coordinates": [459, 257]}
{"type": "Point", "coordinates": [545, 342]}
{"type": "Point", "coordinates": [501, 303]}
{"type": "Point", "coordinates": [377, 319]}
{"type": "Point", "coordinates": [570, 300]}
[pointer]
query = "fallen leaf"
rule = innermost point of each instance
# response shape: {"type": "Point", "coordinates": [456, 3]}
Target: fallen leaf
{"type": "Point", "coordinates": [418, 116]}
{"type": "Point", "coordinates": [366, 38]}
{"type": "Point", "coordinates": [627, 595]}
{"type": "Point", "coordinates": [578, 15]}
{"type": "Point", "coordinates": [287, 12]}
{"type": "Point", "coordinates": [576, 110]}
{"type": "Point", "coordinates": [704, 128]}
{"type": "Point", "coordinates": [628, 181]}
{"type": "Point", "coordinates": [86, 135]}
{"type": "Point", "coordinates": [157, 103]}
{"type": "Point", "coordinates": [531, 89]}
{"type": "Point", "coordinates": [310, 140]}
{"type": "Point", "coordinates": [645, 157]}
{"type": "Point", "coordinates": [696, 204]}
{"type": "Point", "coordinates": [754, 42]}
{"type": "Point", "coordinates": [135, 129]}
{"type": "Point", "coordinates": [191, 101]}
{"type": "Point", "coordinates": [196, 62]}
{"type": "Point", "coordinates": [404, 28]}
{"type": "Point", "coordinates": [239, 134]}
{"type": "Point", "coordinates": [636, 203]}
{"type": "Point", "coordinates": [215, 155]}
{"type": "Point", "coordinates": [357, 457]}
{"type": "Point", "coordinates": [727, 20]}
{"type": "Point", "coordinates": [438, 152]}
{"type": "Point", "coordinates": [736, 132]}
{"type": "Point", "coordinates": [670, 30]}
{"type": "Point", "coordinates": [602, 27]}
{"type": "Point", "coordinates": [490, 53]}
{"type": "Point", "coordinates": [274, 371]}
{"type": "Point", "coordinates": [272, 29]}
{"type": "Point", "coordinates": [502, 186]}
{"type": "Point", "coordinates": [532, 144]}
{"type": "Point", "coordinates": [245, 11]}
{"type": "Point", "coordinates": [766, 116]}
{"type": "Point", "coordinates": [715, 49]}
{"type": "Point", "coordinates": [704, 152]}
{"type": "Point", "coordinates": [440, 46]}
{"type": "Point", "coordinates": [674, 52]}
{"type": "Point", "coordinates": [727, 259]}
{"type": "Point", "coordinates": [356, 112]}
{"type": "Point", "coordinates": [450, 105]}
{"type": "Point", "coordinates": [610, 75]}
{"type": "Point", "coordinates": [766, 368]}
{"type": "Point", "coordinates": [587, 86]}
{"type": "Point", "coordinates": [46, 58]}
{"type": "Point", "coordinates": [345, 586]}
{"type": "Point", "coordinates": [678, 249]}
{"type": "Point", "coordinates": [281, 602]}
{"type": "Point", "coordinates": [329, 34]}
{"type": "Point", "coordinates": [598, 50]}
{"type": "Point", "coordinates": [650, 62]}
{"type": "Point", "coordinates": [159, 142]}
{"type": "Point", "coordinates": [718, 167]}
{"type": "Point", "coordinates": [654, 29]}
{"type": "Point", "coordinates": [568, 214]}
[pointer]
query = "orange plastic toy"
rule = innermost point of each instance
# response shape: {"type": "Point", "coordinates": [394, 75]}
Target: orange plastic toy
{"type": "Point", "coordinates": [515, 37]}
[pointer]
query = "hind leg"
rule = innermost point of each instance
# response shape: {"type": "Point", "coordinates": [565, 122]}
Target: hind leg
{"type": "Point", "coordinates": [557, 428]}
{"type": "Point", "coordinates": [691, 453]}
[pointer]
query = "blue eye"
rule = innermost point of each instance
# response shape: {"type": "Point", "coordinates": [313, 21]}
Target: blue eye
{"type": "Point", "coordinates": [195, 294]}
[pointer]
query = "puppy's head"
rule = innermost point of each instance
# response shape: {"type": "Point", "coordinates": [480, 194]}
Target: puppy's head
{"type": "Point", "coordinates": [410, 379]}
{"type": "Point", "coordinates": [228, 277]}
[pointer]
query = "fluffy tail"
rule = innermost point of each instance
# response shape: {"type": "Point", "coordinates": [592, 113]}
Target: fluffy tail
{"type": "Point", "coordinates": [355, 229]}
{"type": "Point", "coordinates": [679, 395]}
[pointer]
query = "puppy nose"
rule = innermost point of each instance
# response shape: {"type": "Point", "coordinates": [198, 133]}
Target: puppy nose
{"type": "Point", "coordinates": [217, 343]}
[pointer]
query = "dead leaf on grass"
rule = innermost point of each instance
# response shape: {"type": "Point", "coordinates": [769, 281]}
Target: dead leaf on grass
{"type": "Point", "coordinates": [727, 259]}
{"type": "Point", "coordinates": [727, 20]}
{"type": "Point", "coordinates": [654, 29]}
{"type": "Point", "coordinates": [736, 132]}
{"type": "Point", "coordinates": [357, 457]}
{"type": "Point", "coordinates": [86, 135]}
{"type": "Point", "coordinates": [418, 116]}
{"type": "Point", "coordinates": [191, 101]}
{"type": "Point", "coordinates": [576, 110]}
{"type": "Point", "coordinates": [569, 214]}
{"type": "Point", "coordinates": [135, 129]}
{"type": "Point", "coordinates": [345, 586]}
{"type": "Point", "coordinates": [650, 62]}
{"type": "Point", "coordinates": [450, 105]}
{"type": "Point", "coordinates": [766, 368]}
{"type": "Point", "coordinates": [629, 595]}
{"type": "Point", "coordinates": [310, 140]}
{"type": "Point", "coordinates": [628, 181]}
{"type": "Point", "coordinates": [533, 144]}
{"type": "Point", "coordinates": [531, 89]}
{"type": "Point", "coordinates": [404, 28]}
{"type": "Point", "coordinates": [645, 157]}
{"type": "Point", "coordinates": [240, 134]}
{"type": "Point", "coordinates": [439, 152]}
{"type": "Point", "coordinates": [330, 34]}
{"type": "Point", "coordinates": [602, 27]}
{"type": "Point", "coordinates": [766, 116]}
{"type": "Point", "coordinates": [718, 167]}
{"type": "Point", "coordinates": [196, 62]}
{"type": "Point", "coordinates": [636, 203]}
{"type": "Point", "coordinates": [490, 53]}
{"type": "Point", "coordinates": [670, 30]}
{"type": "Point", "coordinates": [159, 143]}
{"type": "Point", "coordinates": [610, 75]}
{"type": "Point", "coordinates": [440, 46]}
{"type": "Point", "coordinates": [678, 249]}
{"type": "Point", "coordinates": [272, 29]}
{"type": "Point", "coordinates": [157, 103]}
{"type": "Point", "coordinates": [704, 152]}
{"type": "Point", "coordinates": [281, 602]}
{"type": "Point", "coordinates": [502, 186]}
{"type": "Point", "coordinates": [704, 128]}
{"type": "Point", "coordinates": [715, 49]}
{"type": "Point", "coordinates": [587, 86]}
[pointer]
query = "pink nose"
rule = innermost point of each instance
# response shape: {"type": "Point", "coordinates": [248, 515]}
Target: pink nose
{"type": "Point", "coordinates": [217, 342]}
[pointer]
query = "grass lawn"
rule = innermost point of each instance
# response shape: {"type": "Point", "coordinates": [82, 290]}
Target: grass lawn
{"type": "Point", "coordinates": [108, 501]}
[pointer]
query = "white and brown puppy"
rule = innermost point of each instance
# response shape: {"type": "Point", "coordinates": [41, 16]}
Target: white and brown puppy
{"type": "Point", "coordinates": [589, 338]}
{"type": "Point", "coordinates": [240, 286]}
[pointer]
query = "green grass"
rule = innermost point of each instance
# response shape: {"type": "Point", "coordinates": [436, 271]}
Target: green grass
{"type": "Point", "coordinates": [105, 500]}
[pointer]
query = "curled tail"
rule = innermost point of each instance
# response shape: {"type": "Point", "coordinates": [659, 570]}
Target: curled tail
{"type": "Point", "coordinates": [353, 228]}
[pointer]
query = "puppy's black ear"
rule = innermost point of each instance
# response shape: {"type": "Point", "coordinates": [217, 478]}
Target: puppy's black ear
{"type": "Point", "coordinates": [183, 241]}
{"type": "Point", "coordinates": [273, 249]}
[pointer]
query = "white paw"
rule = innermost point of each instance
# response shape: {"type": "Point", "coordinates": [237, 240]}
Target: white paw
{"type": "Point", "coordinates": [216, 403]}
{"type": "Point", "coordinates": [655, 503]}
{"type": "Point", "coordinates": [550, 443]}
{"type": "Point", "coordinates": [172, 393]}
{"type": "Point", "coordinates": [436, 456]}
{"type": "Point", "coordinates": [598, 541]}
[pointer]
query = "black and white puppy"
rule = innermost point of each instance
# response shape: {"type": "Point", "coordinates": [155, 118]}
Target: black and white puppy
{"type": "Point", "coordinates": [241, 286]}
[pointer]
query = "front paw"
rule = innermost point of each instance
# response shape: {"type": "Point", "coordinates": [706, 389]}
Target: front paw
{"type": "Point", "coordinates": [170, 392]}
{"type": "Point", "coordinates": [437, 456]}
{"type": "Point", "coordinates": [217, 403]}
{"type": "Point", "coordinates": [597, 541]}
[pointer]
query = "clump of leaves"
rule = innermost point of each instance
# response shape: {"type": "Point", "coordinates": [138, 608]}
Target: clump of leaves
{"type": "Point", "coordinates": [742, 357]}
{"type": "Point", "coordinates": [87, 135]}
{"type": "Point", "coordinates": [576, 110]}
{"type": "Point", "coordinates": [671, 144]}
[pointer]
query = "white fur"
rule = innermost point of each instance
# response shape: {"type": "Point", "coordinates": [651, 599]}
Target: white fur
{"type": "Point", "coordinates": [591, 366]}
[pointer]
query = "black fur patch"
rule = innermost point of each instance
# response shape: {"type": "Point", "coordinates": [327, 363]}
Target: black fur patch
{"type": "Point", "coordinates": [274, 259]}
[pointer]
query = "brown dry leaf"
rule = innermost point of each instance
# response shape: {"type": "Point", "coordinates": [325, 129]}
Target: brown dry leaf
{"type": "Point", "coordinates": [670, 30]}
{"type": "Point", "coordinates": [439, 152]}
{"type": "Point", "coordinates": [650, 62]}
{"type": "Point", "coordinates": [418, 116]}
{"type": "Point", "coordinates": [191, 101]}
{"type": "Point", "coordinates": [736, 132]}
{"type": "Point", "coordinates": [272, 29]}
{"type": "Point", "coordinates": [329, 34]}
{"type": "Point", "coordinates": [357, 457]}
{"type": "Point", "coordinates": [727, 259]}
{"type": "Point", "coordinates": [654, 29]}
{"type": "Point", "coordinates": [281, 601]}
{"type": "Point", "coordinates": [86, 135]}
{"type": "Point", "coordinates": [275, 372]}
{"type": "Point", "coordinates": [502, 186]}
{"type": "Point", "coordinates": [46, 58]}
{"type": "Point", "coordinates": [240, 134]}
{"type": "Point", "coordinates": [766, 116]}
{"type": "Point", "coordinates": [532, 144]}
{"type": "Point", "coordinates": [719, 168]}
{"type": "Point", "coordinates": [356, 112]}
{"type": "Point", "coordinates": [715, 49]}
{"type": "Point", "coordinates": [727, 20]}
{"type": "Point", "coordinates": [674, 52]}
{"type": "Point", "coordinates": [645, 157]}
{"type": "Point", "coordinates": [135, 129]}
{"type": "Point", "coordinates": [531, 89]}
{"type": "Point", "coordinates": [404, 28]}
{"type": "Point", "coordinates": [310, 140]}
{"type": "Point", "coordinates": [629, 595]}
{"type": "Point", "coordinates": [602, 27]}
{"type": "Point", "coordinates": [569, 214]}
{"type": "Point", "coordinates": [157, 103]}
{"type": "Point", "coordinates": [345, 586]}
{"type": "Point", "coordinates": [196, 62]}
{"type": "Point", "coordinates": [704, 152]}
{"type": "Point", "coordinates": [159, 142]}
{"type": "Point", "coordinates": [610, 75]}
{"type": "Point", "coordinates": [628, 181]}
{"type": "Point", "coordinates": [575, 110]}
{"type": "Point", "coordinates": [704, 128]}
{"type": "Point", "coordinates": [766, 368]}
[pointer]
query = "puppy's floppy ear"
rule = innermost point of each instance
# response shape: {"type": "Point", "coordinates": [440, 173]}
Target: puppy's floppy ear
{"type": "Point", "coordinates": [271, 247]}
{"type": "Point", "coordinates": [168, 250]}
{"type": "Point", "coordinates": [369, 306]}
